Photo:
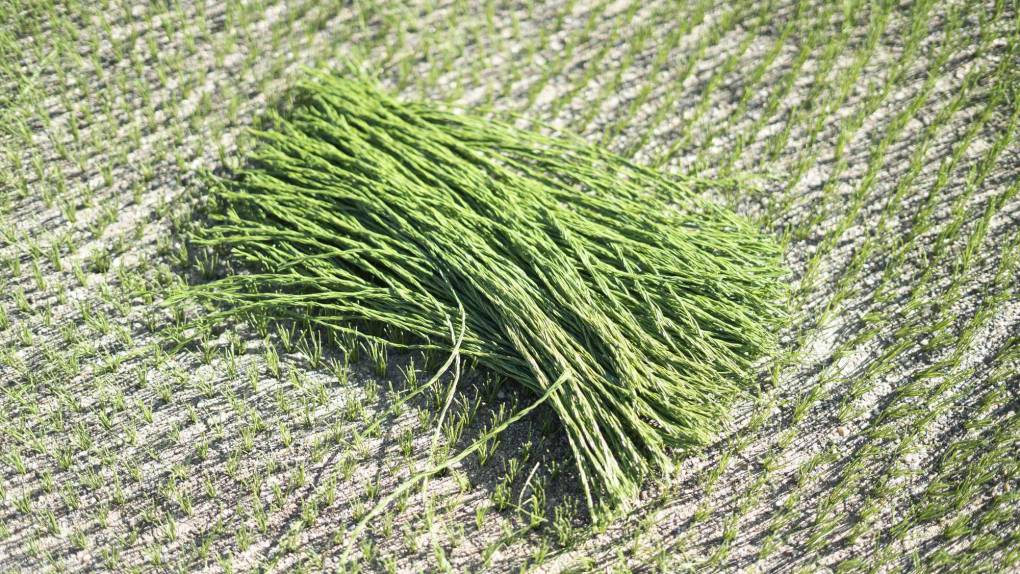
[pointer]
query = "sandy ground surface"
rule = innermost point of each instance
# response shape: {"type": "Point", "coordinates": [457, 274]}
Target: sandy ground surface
{"type": "Point", "coordinates": [877, 141]}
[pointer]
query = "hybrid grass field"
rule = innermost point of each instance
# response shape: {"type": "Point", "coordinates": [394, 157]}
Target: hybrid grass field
{"type": "Point", "coordinates": [874, 141]}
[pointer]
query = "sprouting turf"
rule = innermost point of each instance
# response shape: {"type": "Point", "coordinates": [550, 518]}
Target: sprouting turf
{"type": "Point", "coordinates": [876, 141]}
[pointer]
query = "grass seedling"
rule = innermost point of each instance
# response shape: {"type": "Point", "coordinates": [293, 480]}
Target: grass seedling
{"type": "Point", "coordinates": [566, 258]}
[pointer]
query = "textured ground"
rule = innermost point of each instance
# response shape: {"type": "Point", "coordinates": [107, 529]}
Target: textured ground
{"type": "Point", "coordinates": [878, 139]}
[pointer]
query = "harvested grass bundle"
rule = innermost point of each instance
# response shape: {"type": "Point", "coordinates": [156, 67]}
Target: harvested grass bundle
{"type": "Point", "coordinates": [570, 263]}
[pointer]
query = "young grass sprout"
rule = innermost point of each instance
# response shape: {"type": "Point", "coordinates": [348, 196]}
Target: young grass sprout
{"type": "Point", "coordinates": [650, 305]}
